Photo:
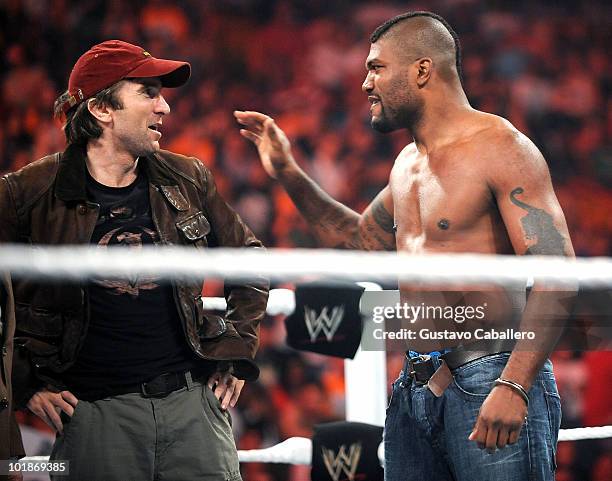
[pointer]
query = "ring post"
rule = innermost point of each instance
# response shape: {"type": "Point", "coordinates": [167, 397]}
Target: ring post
{"type": "Point", "coordinates": [366, 381]}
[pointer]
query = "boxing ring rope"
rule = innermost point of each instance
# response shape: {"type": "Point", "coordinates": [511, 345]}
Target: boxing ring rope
{"type": "Point", "coordinates": [82, 262]}
{"type": "Point", "coordinates": [299, 450]}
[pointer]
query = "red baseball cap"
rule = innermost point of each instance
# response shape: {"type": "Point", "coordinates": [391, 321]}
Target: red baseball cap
{"type": "Point", "coordinates": [113, 60]}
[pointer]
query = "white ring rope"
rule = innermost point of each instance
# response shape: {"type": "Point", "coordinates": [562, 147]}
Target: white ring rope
{"type": "Point", "coordinates": [299, 450]}
{"type": "Point", "coordinates": [578, 434]}
{"type": "Point", "coordinates": [290, 451]}
{"type": "Point", "coordinates": [81, 262]}
{"type": "Point", "coordinates": [280, 301]}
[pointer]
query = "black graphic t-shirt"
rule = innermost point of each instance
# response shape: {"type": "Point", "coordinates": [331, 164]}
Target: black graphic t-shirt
{"type": "Point", "coordinates": [134, 331]}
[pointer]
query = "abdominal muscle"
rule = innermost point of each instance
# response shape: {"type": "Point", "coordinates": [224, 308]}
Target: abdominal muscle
{"type": "Point", "coordinates": [457, 308]}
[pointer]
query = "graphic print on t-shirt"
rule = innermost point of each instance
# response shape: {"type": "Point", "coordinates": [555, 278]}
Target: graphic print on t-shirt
{"type": "Point", "coordinates": [133, 284]}
{"type": "Point", "coordinates": [125, 221]}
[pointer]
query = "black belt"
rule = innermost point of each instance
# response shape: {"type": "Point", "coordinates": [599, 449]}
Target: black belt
{"type": "Point", "coordinates": [421, 368]}
{"type": "Point", "coordinates": [464, 354]}
{"type": "Point", "coordinates": [159, 386]}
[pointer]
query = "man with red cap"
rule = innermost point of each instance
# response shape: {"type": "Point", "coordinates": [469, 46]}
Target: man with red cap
{"type": "Point", "coordinates": [132, 374]}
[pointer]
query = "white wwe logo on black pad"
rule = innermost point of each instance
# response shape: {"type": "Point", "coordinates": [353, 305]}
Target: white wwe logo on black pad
{"type": "Point", "coordinates": [343, 461]}
{"type": "Point", "coordinates": [329, 324]}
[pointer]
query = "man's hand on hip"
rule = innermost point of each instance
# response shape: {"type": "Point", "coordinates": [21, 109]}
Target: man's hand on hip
{"type": "Point", "coordinates": [48, 405]}
{"type": "Point", "coordinates": [226, 388]}
{"type": "Point", "coordinates": [500, 419]}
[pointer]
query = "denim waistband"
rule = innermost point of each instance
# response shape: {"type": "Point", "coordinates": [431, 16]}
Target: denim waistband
{"type": "Point", "coordinates": [411, 354]}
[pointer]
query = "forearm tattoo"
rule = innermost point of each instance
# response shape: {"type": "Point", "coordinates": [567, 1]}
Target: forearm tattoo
{"type": "Point", "coordinates": [539, 225]}
{"type": "Point", "coordinates": [337, 225]}
{"type": "Point", "coordinates": [382, 217]}
{"type": "Point", "coordinates": [378, 228]}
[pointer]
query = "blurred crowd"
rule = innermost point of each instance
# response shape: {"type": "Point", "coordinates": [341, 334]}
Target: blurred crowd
{"type": "Point", "coordinates": [543, 65]}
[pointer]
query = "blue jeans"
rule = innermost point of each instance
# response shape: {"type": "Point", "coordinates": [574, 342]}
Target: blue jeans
{"type": "Point", "coordinates": [426, 438]}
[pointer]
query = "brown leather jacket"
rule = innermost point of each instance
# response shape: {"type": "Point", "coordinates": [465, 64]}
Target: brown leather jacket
{"type": "Point", "coordinates": [45, 203]}
{"type": "Point", "coordinates": [10, 437]}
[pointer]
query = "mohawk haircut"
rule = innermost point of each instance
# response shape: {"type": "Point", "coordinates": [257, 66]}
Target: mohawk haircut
{"type": "Point", "coordinates": [381, 30]}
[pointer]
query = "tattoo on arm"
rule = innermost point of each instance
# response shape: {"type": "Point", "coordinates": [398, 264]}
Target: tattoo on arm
{"type": "Point", "coordinates": [539, 225]}
{"type": "Point", "coordinates": [382, 217]}
{"type": "Point", "coordinates": [335, 224]}
{"type": "Point", "coordinates": [377, 230]}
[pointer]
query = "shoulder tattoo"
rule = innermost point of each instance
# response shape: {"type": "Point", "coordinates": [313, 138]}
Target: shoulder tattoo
{"type": "Point", "coordinates": [538, 224]}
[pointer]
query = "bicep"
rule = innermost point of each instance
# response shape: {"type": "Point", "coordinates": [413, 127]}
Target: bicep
{"type": "Point", "coordinates": [528, 205]}
{"type": "Point", "coordinates": [376, 226]}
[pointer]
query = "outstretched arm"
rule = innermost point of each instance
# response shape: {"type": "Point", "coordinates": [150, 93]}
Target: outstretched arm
{"type": "Point", "coordinates": [334, 224]}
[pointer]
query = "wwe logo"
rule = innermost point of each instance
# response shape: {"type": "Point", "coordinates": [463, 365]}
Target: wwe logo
{"type": "Point", "coordinates": [342, 462]}
{"type": "Point", "coordinates": [323, 322]}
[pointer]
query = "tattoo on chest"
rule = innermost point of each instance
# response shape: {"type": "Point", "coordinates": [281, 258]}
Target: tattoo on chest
{"type": "Point", "coordinates": [539, 225]}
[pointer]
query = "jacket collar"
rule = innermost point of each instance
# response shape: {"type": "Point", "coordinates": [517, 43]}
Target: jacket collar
{"type": "Point", "coordinates": [70, 184]}
{"type": "Point", "coordinates": [71, 175]}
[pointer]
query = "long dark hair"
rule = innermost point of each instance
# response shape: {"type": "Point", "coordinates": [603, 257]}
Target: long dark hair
{"type": "Point", "coordinates": [80, 125]}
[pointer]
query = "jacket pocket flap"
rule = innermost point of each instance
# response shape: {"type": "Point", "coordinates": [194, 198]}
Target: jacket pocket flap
{"type": "Point", "coordinates": [194, 227]}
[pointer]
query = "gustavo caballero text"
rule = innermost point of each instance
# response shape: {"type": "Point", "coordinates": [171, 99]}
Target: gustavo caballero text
{"type": "Point", "coordinates": [433, 335]}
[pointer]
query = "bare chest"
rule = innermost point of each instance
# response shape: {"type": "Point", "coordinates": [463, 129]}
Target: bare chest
{"type": "Point", "coordinates": [437, 202]}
